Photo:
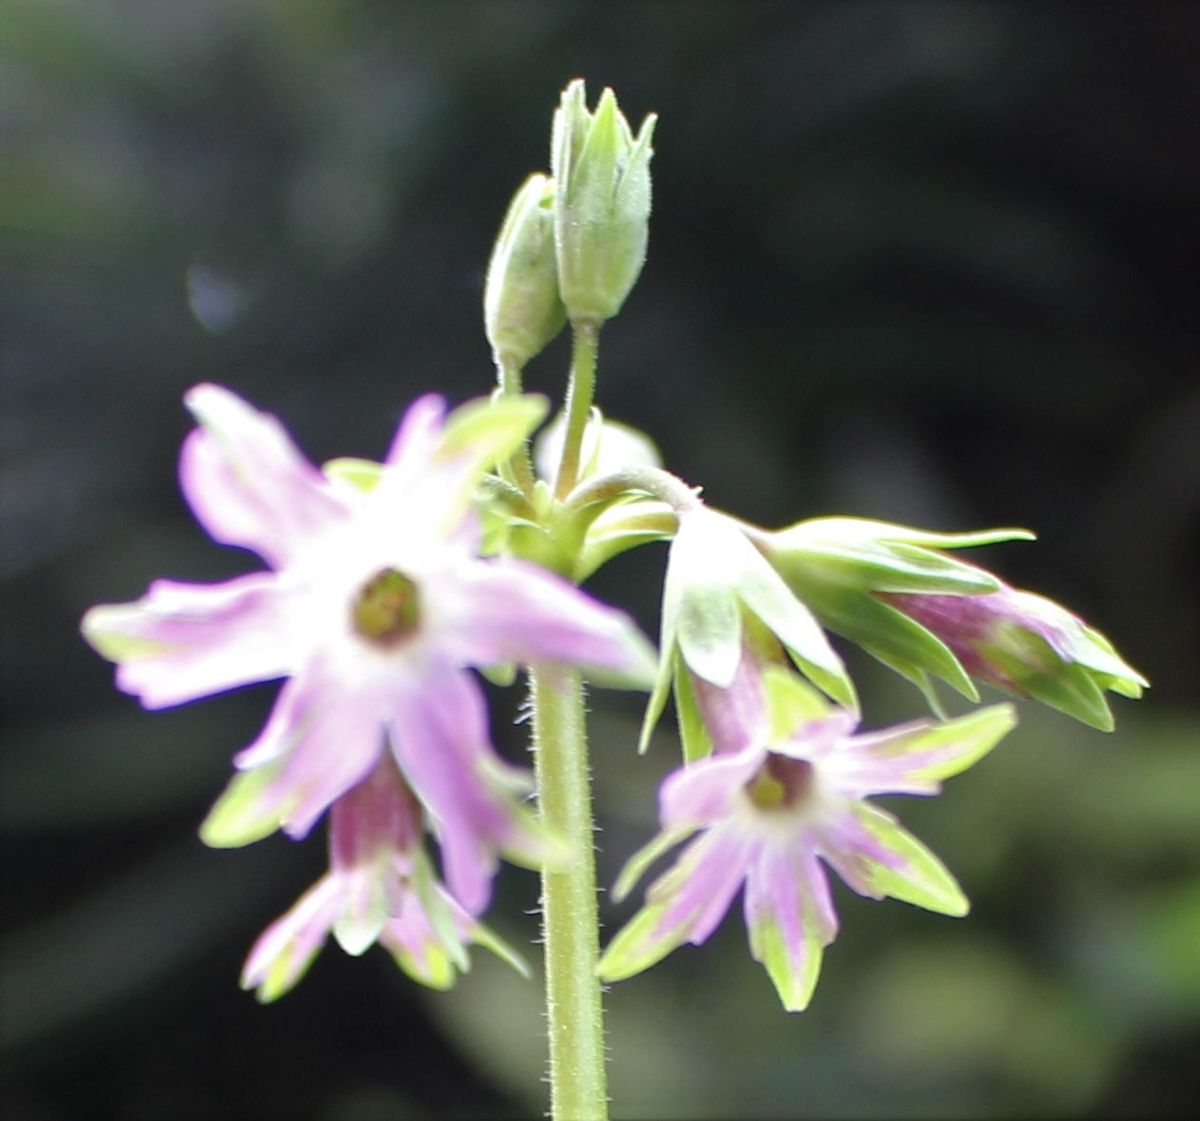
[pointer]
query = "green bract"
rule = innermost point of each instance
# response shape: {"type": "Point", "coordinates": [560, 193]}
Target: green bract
{"type": "Point", "coordinates": [602, 204]}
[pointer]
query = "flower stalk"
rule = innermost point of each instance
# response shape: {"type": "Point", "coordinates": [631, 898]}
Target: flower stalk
{"type": "Point", "coordinates": [570, 914]}
{"type": "Point", "coordinates": [584, 344]}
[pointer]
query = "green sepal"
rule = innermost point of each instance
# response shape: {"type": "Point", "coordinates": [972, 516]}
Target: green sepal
{"type": "Point", "coordinates": [424, 883]}
{"type": "Point", "coordinates": [922, 879]}
{"type": "Point", "coordinates": [502, 674]}
{"type": "Point", "coordinates": [446, 957]}
{"type": "Point", "coordinates": [658, 698]}
{"type": "Point", "coordinates": [893, 638]}
{"type": "Point", "coordinates": [435, 970]}
{"type": "Point", "coordinates": [666, 654]}
{"type": "Point", "coordinates": [1068, 687]}
{"type": "Point", "coordinates": [236, 818]}
{"type": "Point", "coordinates": [883, 557]}
{"type": "Point", "coordinates": [487, 938]}
{"type": "Point", "coordinates": [1110, 670]}
{"type": "Point", "coordinates": [636, 865]}
{"type": "Point", "coordinates": [767, 595]}
{"type": "Point", "coordinates": [490, 430]}
{"type": "Point", "coordinates": [710, 632]}
{"type": "Point", "coordinates": [693, 732]}
{"type": "Point", "coordinates": [362, 474]}
{"type": "Point", "coordinates": [791, 703]}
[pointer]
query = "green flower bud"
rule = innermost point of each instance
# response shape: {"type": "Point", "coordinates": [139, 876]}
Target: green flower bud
{"type": "Point", "coordinates": [521, 308]}
{"type": "Point", "coordinates": [602, 211]}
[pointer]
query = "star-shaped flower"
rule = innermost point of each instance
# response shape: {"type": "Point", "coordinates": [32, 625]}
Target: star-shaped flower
{"type": "Point", "coordinates": [376, 604]}
{"type": "Point", "coordinates": [773, 814]}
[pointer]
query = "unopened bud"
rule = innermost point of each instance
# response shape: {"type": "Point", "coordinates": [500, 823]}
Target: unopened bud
{"type": "Point", "coordinates": [521, 308]}
{"type": "Point", "coordinates": [602, 212]}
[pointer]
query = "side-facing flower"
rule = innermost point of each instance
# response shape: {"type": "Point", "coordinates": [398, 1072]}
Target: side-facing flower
{"type": "Point", "coordinates": [770, 815]}
{"type": "Point", "coordinates": [717, 586]}
{"type": "Point", "coordinates": [380, 888]}
{"type": "Point", "coordinates": [376, 605]}
{"type": "Point", "coordinates": [894, 591]}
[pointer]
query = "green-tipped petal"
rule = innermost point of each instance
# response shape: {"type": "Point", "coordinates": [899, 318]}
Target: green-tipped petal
{"type": "Point", "coordinates": [362, 474]}
{"type": "Point", "coordinates": [636, 865]}
{"type": "Point", "coordinates": [794, 986]}
{"type": "Point", "coordinates": [638, 945]}
{"type": "Point", "coordinates": [244, 813]}
{"type": "Point", "coordinates": [920, 878]}
{"type": "Point", "coordinates": [953, 746]}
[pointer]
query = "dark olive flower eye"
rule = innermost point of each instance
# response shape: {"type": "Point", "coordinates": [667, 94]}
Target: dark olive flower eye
{"type": "Point", "coordinates": [387, 609]}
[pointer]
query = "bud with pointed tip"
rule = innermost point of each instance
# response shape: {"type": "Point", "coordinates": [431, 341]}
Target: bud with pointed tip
{"type": "Point", "coordinates": [602, 209]}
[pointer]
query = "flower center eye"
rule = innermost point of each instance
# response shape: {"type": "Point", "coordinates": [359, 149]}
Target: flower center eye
{"type": "Point", "coordinates": [780, 783]}
{"type": "Point", "coordinates": [387, 609]}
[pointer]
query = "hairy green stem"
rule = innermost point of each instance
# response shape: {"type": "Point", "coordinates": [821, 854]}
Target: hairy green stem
{"type": "Point", "coordinates": [582, 387]}
{"type": "Point", "coordinates": [570, 915]}
{"type": "Point", "coordinates": [508, 375]}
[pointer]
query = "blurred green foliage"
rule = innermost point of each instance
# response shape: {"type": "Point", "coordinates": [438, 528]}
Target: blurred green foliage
{"type": "Point", "coordinates": [926, 261]}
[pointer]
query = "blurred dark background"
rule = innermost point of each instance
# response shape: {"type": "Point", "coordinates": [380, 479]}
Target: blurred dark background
{"type": "Point", "coordinates": [928, 261]}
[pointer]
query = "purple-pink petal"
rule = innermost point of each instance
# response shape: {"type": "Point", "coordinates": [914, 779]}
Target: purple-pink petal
{"type": "Point", "coordinates": [702, 884]}
{"type": "Point", "coordinates": [851, 851]}
{"type": "Point", "coordinates": [378, 815]}
{"type": "Point", "coordinates": [248, 484]}
{"type": "Point", "coordinates": [788, 885]}
{"type": "Point", "coordinates": [877, 763]}
{"type": "Point", "coordinates": [417, 436]}
{"type": "Point", "coordinates": [818, 739]}
{"type": "Point", "coordinates": [198, 638]}
{"type": "Point", "coordinates": [703, 792]}
{"type": "Point", "coordinates": [299, 934]}
{"type": "Point", "coordinates": [506, 610]}
{"type": "Point", "coordinates": [440, 738]}
{"type": "Point", "coordinates": [737, 716]}
{"type": "Point", "coordinates": [791, 889]}
{"type": "Point", "coordinates": [336, 746]}
{"type": "Point", "coordinates": [323, 737]}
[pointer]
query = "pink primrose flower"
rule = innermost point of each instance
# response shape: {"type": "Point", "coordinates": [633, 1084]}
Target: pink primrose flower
{"type": "Point", "coordinates": [774, 814]}
{"type": "Point", "coordinates": [375, 604]}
